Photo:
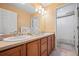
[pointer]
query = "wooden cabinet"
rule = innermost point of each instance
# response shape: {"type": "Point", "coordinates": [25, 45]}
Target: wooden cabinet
{"type": "Point", "coordinates": [15, 51]}
{"type": "Point", "coordinates": [44, 47]}
{"type": "Point", "coordinates": [33, 48]}
{"type": "Point", "coordinates": [49, 44]}
{"type": "Point", "coordinates": [39, 47]}
{"type": "Point", "coordinates": [53, 41]}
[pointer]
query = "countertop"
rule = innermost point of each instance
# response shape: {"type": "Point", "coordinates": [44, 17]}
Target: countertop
{"type": "Point", "coordinates": [6, 45]}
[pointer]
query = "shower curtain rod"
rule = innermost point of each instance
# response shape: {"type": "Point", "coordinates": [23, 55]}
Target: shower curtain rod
{"type": "Point", "coordinates": [67, 14]}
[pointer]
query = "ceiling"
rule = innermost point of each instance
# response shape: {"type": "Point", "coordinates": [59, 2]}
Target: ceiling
{"type": "Point", "coordinates": [45, 4]}
{"type": "Point", "coordinates": [29, 7]}
{"type": "Point", "coordinates": [26, 7]}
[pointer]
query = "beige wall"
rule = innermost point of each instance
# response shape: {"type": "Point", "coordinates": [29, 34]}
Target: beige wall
{"type": "Point", "coordinates": [50, 20]}
{"type": "Point", "coordinates": [51, 17]}
{"type": "Point", "coordinates": [42, 24]}
{"type": "Point", "coordinates": [24, 18]}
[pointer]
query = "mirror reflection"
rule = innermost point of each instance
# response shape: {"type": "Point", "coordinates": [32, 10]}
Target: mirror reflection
{"type": "Point", "coordinates": [8, 21]}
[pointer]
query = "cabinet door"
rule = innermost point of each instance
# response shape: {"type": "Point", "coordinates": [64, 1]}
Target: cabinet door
{"type": "Point", "coordinates": [43, 48]}
{"type": "Point", "coordinates": [33, 48]}
{"type": "Point", "coordinates": [23, 50]}
{"type": "Point", "coordinates": [44, 54]}
{"type": "Point", "coordinates": [11, 52]}
{"type": "Point", "coordinates": [49, 44]}
{"type": "Point", "coordinates": [53, 41]}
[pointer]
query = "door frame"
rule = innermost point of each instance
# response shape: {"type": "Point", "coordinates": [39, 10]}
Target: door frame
{"type": "Point", "coordinates": [76, 30]}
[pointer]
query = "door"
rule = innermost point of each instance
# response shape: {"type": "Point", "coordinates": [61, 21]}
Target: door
{"type": "Point", "coordinates": [66, 30]}
{"type": "Point", "coordinates": [67, 25]}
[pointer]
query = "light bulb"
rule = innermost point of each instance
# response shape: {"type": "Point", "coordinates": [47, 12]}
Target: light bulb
{"type": "Point", "coordinates": [36, 9]}
{"type": "Point", "coordinates": [39, 12]}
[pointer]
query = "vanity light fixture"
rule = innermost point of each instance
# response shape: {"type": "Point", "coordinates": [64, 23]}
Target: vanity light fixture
{"type": "Point", "coordinates": [41, 11]}
{"type": "Point", "coordinates": [40, 7]}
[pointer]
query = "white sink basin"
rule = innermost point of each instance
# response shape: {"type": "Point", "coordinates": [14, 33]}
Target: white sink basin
{"type": "Point", "coordinates": [17, 38]}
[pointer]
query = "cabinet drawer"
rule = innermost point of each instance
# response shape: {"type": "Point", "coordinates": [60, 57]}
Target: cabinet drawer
{"type": "Point", "coordinates": [43, 40]}
{"type": "Point", "coordinates": [43, 47]}
{"type": "Point", "coordinates": [11, 52]}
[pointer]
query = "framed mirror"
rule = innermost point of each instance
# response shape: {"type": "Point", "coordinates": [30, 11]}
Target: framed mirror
{"type": "Point", "coordinates": [8, 22]}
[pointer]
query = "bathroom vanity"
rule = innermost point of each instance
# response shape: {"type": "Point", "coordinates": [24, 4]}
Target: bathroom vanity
{"type": "Point", "coordinates": [39, 45]}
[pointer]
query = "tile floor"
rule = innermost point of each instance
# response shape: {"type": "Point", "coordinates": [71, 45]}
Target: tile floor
{"type": "Point", "coordinates": [64, 50]}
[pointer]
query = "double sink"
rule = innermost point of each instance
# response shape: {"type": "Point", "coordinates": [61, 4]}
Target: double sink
{"type": "Point", "coordinates": [21, 37]}
{"type": "Point", "coordinates": [17, 38]}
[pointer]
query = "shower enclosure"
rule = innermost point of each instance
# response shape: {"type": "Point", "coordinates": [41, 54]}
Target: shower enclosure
{"type": "Point", "coordinates": [67, 27]}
